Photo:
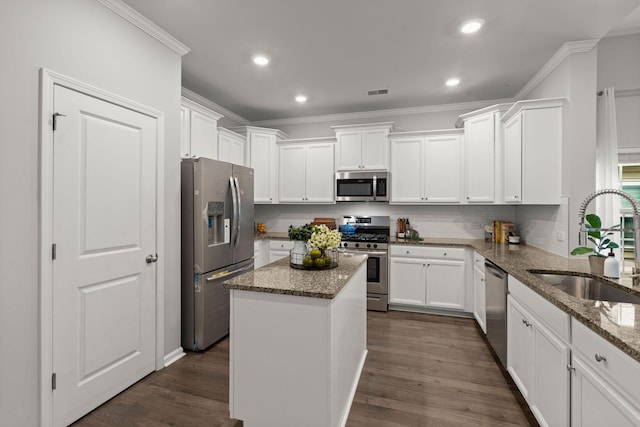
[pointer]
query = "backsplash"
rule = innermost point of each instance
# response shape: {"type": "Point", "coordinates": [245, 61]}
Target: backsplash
{"type": "Point", "coordinates": [431, 221]}
{"type": "Point", "coordinates": [540, 226]}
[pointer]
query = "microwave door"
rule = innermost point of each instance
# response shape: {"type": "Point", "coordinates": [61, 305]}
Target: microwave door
{"type": "Point", "coordinates": [355, 190]}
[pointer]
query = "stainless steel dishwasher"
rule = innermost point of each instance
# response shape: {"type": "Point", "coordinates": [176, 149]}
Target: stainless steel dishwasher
{"type": "Point", "coordinates": [496, 301]}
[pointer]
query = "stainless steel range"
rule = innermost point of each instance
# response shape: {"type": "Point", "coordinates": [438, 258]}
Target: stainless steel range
{"type": "Point", "coordinates": [370, 235]}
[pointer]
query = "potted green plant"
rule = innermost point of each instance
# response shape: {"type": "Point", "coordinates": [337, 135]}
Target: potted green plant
{"type": "Point", "coordinates": [601, 242]}
{"type": "Point", "coordinates": [300, 235]}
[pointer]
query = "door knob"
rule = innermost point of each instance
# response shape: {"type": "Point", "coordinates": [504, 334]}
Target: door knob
{"type": "Point", "coordinates": [151, 258]}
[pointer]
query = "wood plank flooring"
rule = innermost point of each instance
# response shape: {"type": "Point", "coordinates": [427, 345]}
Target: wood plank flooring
{"type": "Point", "coordinates": [421, 370]}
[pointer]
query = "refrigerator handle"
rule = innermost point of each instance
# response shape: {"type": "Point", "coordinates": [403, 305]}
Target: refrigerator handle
{"type": "Point", "coordinates": [234, 221]}
{"type": "Point", "coordinates": [238, 211]}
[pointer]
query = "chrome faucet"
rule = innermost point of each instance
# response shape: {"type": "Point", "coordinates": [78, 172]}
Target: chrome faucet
{"type": "Point", "coordinates": [582, 236]}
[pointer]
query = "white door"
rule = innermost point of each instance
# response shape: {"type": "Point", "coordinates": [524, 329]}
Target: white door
{"type": "Point", "coordinates": [349, 150]}
{"type": "Point", "coordinates": [445, 284]}
{"type": "Point", "coordinates": [204, 136]}
{"type": "Point", "coordinates": [263, 162]}
{"type": "Point", "coordinates": [407, 278]}
{"type": "Point", "coordinates": [291, 174]}
{"type": "Point", "coordinates": [375, 149]}
{"type": "Point", "coordinates": [513, 160]}
{"type": "Point", "coordinates": [480, 158]}
{"type": "Point", "coordinates": [104, 227]}
{"type": "Point", "coordinates": [407, 170]}
{"type": "Point", "coordinates": [319, 176]}
{"type": "Point", "coordinates": [442, 169]}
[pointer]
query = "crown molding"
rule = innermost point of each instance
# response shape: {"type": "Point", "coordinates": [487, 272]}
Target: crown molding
{"type": "Point", "coordinates": [627, 32]}
{"type": "Point", "coordinates": [317, 139]}
{"type": "Point", "coordinates": [140, 21]}
{"type": "Point", "coordinates": [244, 130]}
{"type": "Point", "coordinates": [419, 133]}
{"type": "Point", "coordinates": [195, 106]}
{"type": "Point", "coordinates": [191, 95]}
{"type": "Point", "coordinates": [381, 113]}
{"type": "Point", "coordinates": [562, 54]}
{"type": "Point", "coordinates": [532, 104]}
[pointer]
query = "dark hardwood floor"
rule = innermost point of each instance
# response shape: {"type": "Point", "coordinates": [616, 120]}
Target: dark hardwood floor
{"type": "Point", "coordinates": [421, 370]}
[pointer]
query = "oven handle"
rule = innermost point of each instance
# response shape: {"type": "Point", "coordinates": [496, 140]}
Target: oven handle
{"type": "Point", "coordinates": [366, 252]}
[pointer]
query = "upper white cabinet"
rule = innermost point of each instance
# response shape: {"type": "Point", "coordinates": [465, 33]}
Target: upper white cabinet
{"type": "Point", "coordinates": [306, 171]}
{"type": "Point", "coordinates": [533, 151]}
{"type": "Point", "coordinates": [426, 167]}
{"type": "Point", "coordinates": [363, 147]}
{"type": "Point", "coordinates": [483, 145]}
{"type": "Point", "coordinates": [264, 161]}
{"type": "Point", "coordinates": [199, 135]}
{"type": "Point", "coordinates": [232, 147]}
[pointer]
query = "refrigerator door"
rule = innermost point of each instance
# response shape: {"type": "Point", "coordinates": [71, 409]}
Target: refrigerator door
{"type": "Point", "coordinates": [212, 215]}
{"type": "Point", "coordinates": [242, 234]}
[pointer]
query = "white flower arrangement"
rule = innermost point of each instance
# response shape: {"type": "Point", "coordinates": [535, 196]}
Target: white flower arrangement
{"type": "Point", "coordinates": [324, 238]}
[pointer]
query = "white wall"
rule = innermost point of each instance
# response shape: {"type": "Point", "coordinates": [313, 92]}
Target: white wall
{"type": "Point", "coordinates": [84, 40]}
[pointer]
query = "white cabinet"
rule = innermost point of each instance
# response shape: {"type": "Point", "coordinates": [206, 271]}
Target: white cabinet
{"type": "Point", "coordinates": [232, 147]}
{"type": "Point", "coordinates": [426, 167]}
{"type": "Point", "coordinates": [483, 154]}
{"type": "Point", "coordinates": [479, 295]}
{"type": "Point", "coordinates": [604, 383]}
{"type": "Point", "coordinates": [264, 161]}
{"type": "Point", "coordinates": [538, 353]}
{"type": "Point", "coordinates": [279, 249]}
{"type": "Point", "coordinates": [363, 147]}
{"type": "Point", "coordinates": [427, 277]}
{"type": "Point", "coordinates": [306, 171]}
{"type": "Point", "coordinates": [199, 134]}
{"type": "Point", "coordinates": [533, 151]}
{"type": "Point", "coordinates": [260, 253]}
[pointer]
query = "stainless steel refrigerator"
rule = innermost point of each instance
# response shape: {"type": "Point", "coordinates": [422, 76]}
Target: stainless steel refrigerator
{"type": "Point", "coordinates": [217, 244]}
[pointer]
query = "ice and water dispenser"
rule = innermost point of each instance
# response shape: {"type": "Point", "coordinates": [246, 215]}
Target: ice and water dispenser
{"type": "Point", "coordinates": [219, 227]}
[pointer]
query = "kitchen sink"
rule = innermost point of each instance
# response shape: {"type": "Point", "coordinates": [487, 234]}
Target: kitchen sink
{"type": "Point", "coordinates": [586, 288]}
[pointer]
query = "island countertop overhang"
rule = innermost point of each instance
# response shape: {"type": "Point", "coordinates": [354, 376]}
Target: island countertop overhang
{"type": "Point", "coordinates": [279, 278]}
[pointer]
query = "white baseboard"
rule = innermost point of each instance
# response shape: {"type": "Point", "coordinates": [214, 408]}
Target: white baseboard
{"type": "Point", "coordinates": [175, 355]}
{"type": "Point", "coordinates": [354, 388]}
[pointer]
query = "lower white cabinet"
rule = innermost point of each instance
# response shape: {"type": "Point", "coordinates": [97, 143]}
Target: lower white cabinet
{"type": "Point", "coordinates": [279, 249]}
{"type": "Point", "coordinates": [479, 295]}
{"type": "Point", "coordinates": [605, 382]}
{"type": "Point", "coordinates": [538, 354]}
{"type": "Point", "coordinates": [260, 253]}
{"type": "Point", "coordinates": [427, 277]}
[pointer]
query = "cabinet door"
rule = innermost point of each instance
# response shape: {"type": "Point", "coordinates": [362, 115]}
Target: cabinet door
{"type": "Point", "coordinates": [513, 160]}
{"type": "Point", "coordinates": [479, 299]}
{"type": "Point", "coordinates": [320, 177]}
{"type": "Point", "coordinates": [406, 170]}
{"type": "Point", "coordinates": [231, 150]}
{"type": "Point", "coordinates": [479, 134]}
{"type": "Point", "coordinates": [375, 149]}
{"type": "Point", "coordinates": [443, 169]}
{"type": "Point", "coordinates": [407, 279]}
{"type": "Point", "coordinates": [263, 162]}
{"type": "Point", "coordinates": [519, 346]}
{"type": "Point", "coordinates": [551, 397]}
{"type": "Point", "coordinates": [276, 255]}
{"type": "Point", "coordinates": [594, 403]}
{"type": "Point", "coordinates": [185, 132]}
{"type": "Point", "coordinates": [445, 284]}
{"type": "Point", "coordinates": [291, 174]}
{"type": "Point", "coordinates": [349, 150]}
{"type": "Point", "coordinates": [204, 136]}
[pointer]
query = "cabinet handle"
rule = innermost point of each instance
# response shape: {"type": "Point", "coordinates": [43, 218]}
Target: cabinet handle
{"type": "Point", "coordinates": [516, 196]}
{"type": "Point", "coordinates": [482, 279]}
{"type": "Point", "coordinates": [570, 368]}
{"type": "Point", "coordinates": [600, 358]}
{"type": "Point", "coordinates": [408, 252]}
{"type": "Point", "coordinates": [445, 254]}
{"type": "Point", "coordinates": [468, 197]}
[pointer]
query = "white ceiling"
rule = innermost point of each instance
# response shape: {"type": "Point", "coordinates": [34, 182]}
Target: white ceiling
{"type": "Point", "coordinates": [335, 50]}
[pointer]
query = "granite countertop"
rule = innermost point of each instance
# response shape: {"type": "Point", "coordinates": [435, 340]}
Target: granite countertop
{"type": "Point", "coordinates": [602, 317]}
{"type": "Point", "coordinates": [277, 235]}
{"type": "Point", "coordinates": [280, 278]}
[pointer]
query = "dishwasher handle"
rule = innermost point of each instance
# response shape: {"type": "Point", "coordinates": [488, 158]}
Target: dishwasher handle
{"type": "Point", "coordinates": [494, 270]}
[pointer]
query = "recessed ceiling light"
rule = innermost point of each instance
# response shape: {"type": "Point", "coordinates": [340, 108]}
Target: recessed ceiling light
{"type": "Point", "coordinates": [301, 99]}
{"type": "Point", "coordinates": [452, 82]}
{"type": "Point", "coordinates": [260, 60]}
{"type": "Point", "coordinates": [471, 26]}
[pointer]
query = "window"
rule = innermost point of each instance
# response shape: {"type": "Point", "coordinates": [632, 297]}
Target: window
{"type": "Point", "coordinates": [629, 176]}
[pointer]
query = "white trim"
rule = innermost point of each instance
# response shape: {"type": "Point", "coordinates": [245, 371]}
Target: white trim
{"type": "Point", "coordinates": [627, 32]}
{"type": "Point", "coordinates": [194, 97]}
{"type": "Point", "coordinates": [329, 139]}
{"type": "Point", "coordinates": [48, 79]}
{"type": "Point", "coordinates": [419, 133]}
{"type": "Point", "coordinates": [195, 106]}
{"type": "Point", "coordinates": [531, 104]}
{"type": "Point", "coordinates": [364, 126]}
{"type": "Point", "coordinates": [244, 130]}
{"type": "Point", "coordinates": [174, 356]}
{"type": "Point", "coordinates": [622, 93]}
{"type": "Point", "coordinates": [497, 108]}
{"type": "Point", "coordinates": [140, 21]}
{"type": "Point", "coordinates": [381, 113]}
{"type": "Point", "coordinates": [563, 53]}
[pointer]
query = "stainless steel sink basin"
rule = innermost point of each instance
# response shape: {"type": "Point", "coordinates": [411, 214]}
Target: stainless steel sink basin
{"type": "Point", "coordinates": [587, 288]}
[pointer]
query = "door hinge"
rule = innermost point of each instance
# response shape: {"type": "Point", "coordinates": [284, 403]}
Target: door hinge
{"type": "Point", "coordinates": [53, 381]}
{"type": "Point", "coordinates": [53, 251]}
{"type": "Point", "coordinates": [55, 119]}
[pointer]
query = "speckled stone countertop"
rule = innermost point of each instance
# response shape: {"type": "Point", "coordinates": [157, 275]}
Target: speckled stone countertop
{"type": "Point", "coordinates": [279, 278]}
{"type": "Point", "coordinates": [602, 317]}
{"type": "Point", "coordinates": [277, 235]}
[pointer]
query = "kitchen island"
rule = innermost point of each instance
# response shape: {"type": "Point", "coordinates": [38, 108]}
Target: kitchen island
{"type": "Point", "coordinates": [297, 343]}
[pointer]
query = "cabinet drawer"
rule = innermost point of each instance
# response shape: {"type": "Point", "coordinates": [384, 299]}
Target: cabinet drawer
{"type": "Point", "coordinates": [478, 260]}
{"type": "Point", "coordinates": [415, 251]}
{"type": "Point", "coordinates": [614, 366]}
{"type": "Point", "coordinates": [548, 314]}
{"type": "Point", "coordinates": [286, 245]}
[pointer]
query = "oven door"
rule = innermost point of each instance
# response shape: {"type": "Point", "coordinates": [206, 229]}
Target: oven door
{"type": "Point", "coordinates": [377, 276]}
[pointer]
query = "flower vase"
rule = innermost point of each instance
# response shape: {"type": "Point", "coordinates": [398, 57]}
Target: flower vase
{"type": "Point", "coordinates": [298, 252]}
{"type": "Point", "coordinates": [596, 264]}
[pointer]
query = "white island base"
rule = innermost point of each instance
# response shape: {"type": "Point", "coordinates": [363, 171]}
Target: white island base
{"type": "Point", "coordinates": [296, 361]}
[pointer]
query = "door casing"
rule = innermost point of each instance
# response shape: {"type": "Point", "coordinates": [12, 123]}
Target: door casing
{"type": "Point", "coordinates": [48, 79]}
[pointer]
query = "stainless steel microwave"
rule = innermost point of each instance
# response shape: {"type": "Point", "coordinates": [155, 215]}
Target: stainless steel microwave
{"type": "Point", "coordinates": [362, 186]}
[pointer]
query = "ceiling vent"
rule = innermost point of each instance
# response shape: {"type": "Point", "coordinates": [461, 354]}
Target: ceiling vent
{"type": "Point", "coordinates": [377, 92]}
